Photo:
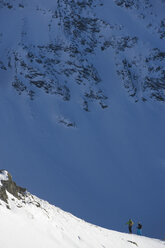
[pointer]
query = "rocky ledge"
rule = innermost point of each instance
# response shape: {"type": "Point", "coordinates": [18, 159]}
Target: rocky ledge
{"type": "Point", "coordinates": [8, 185]}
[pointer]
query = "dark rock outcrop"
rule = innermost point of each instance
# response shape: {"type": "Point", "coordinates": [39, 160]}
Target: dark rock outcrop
{"type": "Point", "coordinates": [10, 186]}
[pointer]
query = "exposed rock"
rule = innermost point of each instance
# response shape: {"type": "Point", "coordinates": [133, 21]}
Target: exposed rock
{"type": "Point", "coordinates": [55, 66]}
{"type": "Point", "coordinates": [132, 242]}
{"type": "Point", "coordinates": [8, 185]}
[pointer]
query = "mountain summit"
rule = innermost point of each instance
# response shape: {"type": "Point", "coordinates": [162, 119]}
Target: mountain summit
{"type": "Point", "coordinates": [32, 222]}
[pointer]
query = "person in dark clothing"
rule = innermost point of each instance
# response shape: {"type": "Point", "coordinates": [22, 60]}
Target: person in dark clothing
{"type": "Point", "coordinates": [139, 229]}
{"type": "Point", "coordinates": [130, 224]}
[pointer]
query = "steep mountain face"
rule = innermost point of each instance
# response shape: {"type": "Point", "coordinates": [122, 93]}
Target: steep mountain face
{"type": "Point", "coordinates": [60, 58]}
{"type": "Point", "coordinates": [143, 73]}
{"type": "Point", "coordinates": [61, 55]}
{"type": "Point", "coordinates": [28, 220]}
{"type": "Point", "coordinates": [82, 105]}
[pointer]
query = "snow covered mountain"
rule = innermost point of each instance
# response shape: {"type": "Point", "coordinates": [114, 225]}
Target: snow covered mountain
{"type": "Point", "coordinates": [29, 221]}
{"type": "Point", "coordinates": [53, 48]}
{"type": "Point", "coordinates": [82, 96]}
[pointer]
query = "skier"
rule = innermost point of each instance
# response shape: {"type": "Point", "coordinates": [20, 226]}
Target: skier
{"type": "Point", "coordinates": [130, 224]}
{"type": "Point", "coordinates": [139, 229]}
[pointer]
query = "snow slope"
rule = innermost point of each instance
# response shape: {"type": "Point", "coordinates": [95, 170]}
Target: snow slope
{"type": "Point", "coordinates": [30, 226]}
{"type": "Point", "coordinates": [32, 222]}
{"type": "Point", "coordinates": [82, 107]}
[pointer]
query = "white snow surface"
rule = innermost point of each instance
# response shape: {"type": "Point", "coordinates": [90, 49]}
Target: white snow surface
{"type": "Point", "coordinates": [35, 223]}
{"type": "Point", "coordinates": [3, 176]}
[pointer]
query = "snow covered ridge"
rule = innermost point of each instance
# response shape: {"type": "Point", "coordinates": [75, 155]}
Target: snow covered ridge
{"type": "Point", "coordinates": [41, 225]}
{"type": "Point", "coordinates": [8, 186]}
{"type": "Point", "coordinates": [60, 58]}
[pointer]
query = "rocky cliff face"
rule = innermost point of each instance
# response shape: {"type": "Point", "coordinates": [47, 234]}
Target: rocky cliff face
{"type": "Point", "coordinates": [14, 196]}
{"type": "Point", "coordinates": [75, 32]}
{"type": "Point", "coordinates": [9, 186]}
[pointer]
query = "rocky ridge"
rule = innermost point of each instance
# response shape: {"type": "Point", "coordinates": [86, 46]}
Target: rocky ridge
{"type": "Point", "coordinates": [9, 186]}
{"type": "Point", "coordinates": [14, 196]}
